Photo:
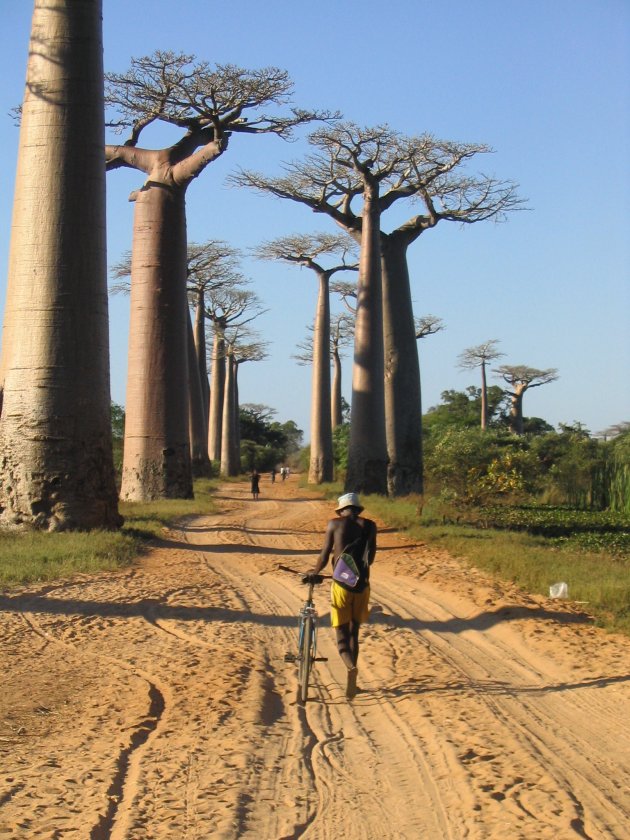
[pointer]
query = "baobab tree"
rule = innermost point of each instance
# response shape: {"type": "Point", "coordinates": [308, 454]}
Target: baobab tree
{"type": "Point", "coordinates": [351, 162]}
{"type": "Point", "coordinates": [427, 325]}
{"type": "Point", "coordinates": [208, 105]}
{"type": "Point", "coordinates": [309, 251]}
{"type": "Point", "coordinates": [478, 357]}
{"type": "Point", "coordinates": [232, 306]}
{"type": "Point", "coordinates": [238, 350]}
{"type": "Point", "coordinates": [55, 429]}
{"type": "Point", "coordinates": [521, 378]}
{"type": "Point", "coordinates": [341, 335]}
{"type": "Point", "coordinates": [211, 265]}
{"type": "Point", "coordinates": [425, 170]}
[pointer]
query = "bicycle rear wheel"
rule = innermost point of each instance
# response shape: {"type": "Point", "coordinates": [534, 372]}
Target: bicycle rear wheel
{"type": "Point", "coordinates": [305, 661]}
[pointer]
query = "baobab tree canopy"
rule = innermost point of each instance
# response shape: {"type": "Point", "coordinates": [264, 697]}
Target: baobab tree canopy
{"type": "Point", "coordinates": [423, 168]}
{"type": "Point", "coordinates": [207, 102]}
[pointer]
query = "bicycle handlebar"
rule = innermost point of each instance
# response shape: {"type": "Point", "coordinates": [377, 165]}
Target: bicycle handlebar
{"type": "Point", "coordinates": [308, 578]}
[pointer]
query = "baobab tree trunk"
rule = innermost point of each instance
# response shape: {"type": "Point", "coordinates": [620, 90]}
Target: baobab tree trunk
{"type": "Point", "coordinates": [403, 406]}
{"type": "Point", "coordinates": [321, 463]}
{"type": "Point", "coordinates": [484, 397]}
{"type": "Point", "coordinates": [516, 412]}
{"type": "Point", "coordinates": [156, 462]}
{"type": "Point", "coordinates": [55, 431]}
{"type": "Point", "coordinates": [217, 388]}
{"type": "Point", "coordinates": [200, 352]}
{"type": "Point", "coordinates": [228, 465]}
{"type": "Point", "coordinates": [367, 453]}
{"type": "Point", "coordinates": [336, 414]}
{"type": "Point", "coordinates": [236, 454]}
{"type": "Point", "coordinates": [198, 427]}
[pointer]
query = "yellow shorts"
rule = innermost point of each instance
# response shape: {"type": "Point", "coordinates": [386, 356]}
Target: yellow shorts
{"type": "Point", "coordinates": [348, 606]}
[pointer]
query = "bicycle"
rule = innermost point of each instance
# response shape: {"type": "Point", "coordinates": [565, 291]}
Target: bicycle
{"type": "Point", "coordinates": [307, 635]}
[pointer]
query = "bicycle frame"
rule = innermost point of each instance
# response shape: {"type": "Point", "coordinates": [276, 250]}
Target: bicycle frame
{"type": "Point", "coordinates": [307, 637]}
{"type": "Point", "coordinates": [308, 613]}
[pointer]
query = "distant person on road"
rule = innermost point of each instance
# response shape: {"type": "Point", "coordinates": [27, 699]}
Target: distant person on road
{"type": "Point", "coordinates": [355, 535]}
{"type": "Point", "coordinates": [273, 475]}
{"type": "Point", "coordinates": [255, 484]}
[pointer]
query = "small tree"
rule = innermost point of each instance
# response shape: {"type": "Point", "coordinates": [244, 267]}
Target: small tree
{"type": "Point", "coordinates": [521, 378]}
{"type": "Point", "coordinates": [478, 357]}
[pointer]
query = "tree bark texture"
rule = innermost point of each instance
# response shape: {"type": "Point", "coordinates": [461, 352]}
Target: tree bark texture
{"type": "Point", "coordinates": [484, 396]}
{"type": "Point", "coordinates": [336, 414]}
{"type": "Point", "coordinates": [367, 452]}
{"type": "Point", "coordinates": [403, 405]}
{"type": "Point", "coordinates": [55, 430]}
{"type": "Point", "coordinates": [321, 466]}
{"type": "Point", "coordinates": [198, 426]}
{"type": "Point", "coordinates": [237, 417]}
{"type": "Point", "coordinates": [200, 352]}
{"type": "Point", "coordinates": [229, 465]}
{"type": "Point", "coordinates": [517, 426]}
{"type": "Point", "coordinates": [217, 388]}
{"type": "Point", "coordinates": [156, 462]}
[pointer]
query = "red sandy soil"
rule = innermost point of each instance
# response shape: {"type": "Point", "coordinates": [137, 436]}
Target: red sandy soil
{"type": "Point", "coordinates": [155, 702]}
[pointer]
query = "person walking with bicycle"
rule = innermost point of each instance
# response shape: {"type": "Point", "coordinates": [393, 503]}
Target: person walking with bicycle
{"type": "Point", "coordinates": [352, 540]}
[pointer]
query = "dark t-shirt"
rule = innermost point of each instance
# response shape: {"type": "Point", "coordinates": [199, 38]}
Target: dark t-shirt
{"type": "Point", "coordinates": [353, 535]}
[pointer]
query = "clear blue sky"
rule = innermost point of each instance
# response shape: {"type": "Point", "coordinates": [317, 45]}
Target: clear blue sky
{"type": "Point", "coordinates": [544, 82]}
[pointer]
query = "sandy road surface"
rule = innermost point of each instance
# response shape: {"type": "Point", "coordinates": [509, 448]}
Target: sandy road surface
{"type": "Point", "coordinates": [155, 702]}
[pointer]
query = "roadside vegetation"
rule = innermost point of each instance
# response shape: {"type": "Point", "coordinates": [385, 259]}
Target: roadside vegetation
{"type": "Point", "coordinates": [536, 509]}
{"type": "Point", "coordinates": [27, 557]}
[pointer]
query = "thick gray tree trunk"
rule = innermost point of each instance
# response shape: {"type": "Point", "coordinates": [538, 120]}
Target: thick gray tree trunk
{"type": "Point", "coordinates": [237, 417]}
{"type": "Point", "coordinates": [484, 397]}
{"type": "Point", "coordinates": [403, 405]}
{"type": "Point", "coordinates": [217, 388]}
{"type": "Point", "coordinates": [156, 462]}
{"type": "Point", "coordinates": [200, 352]}
{"type": "Point", "coordinates": [367, 453]}
{"type": "Point", "coordinates": [517, 426]}
{"type": "Point", "coordinates": [321, 466]}
{"type": "Point", "coordinates": [198, 425]}
{"type": "Point", "coordinates": [336, 414]}
{"type": "Point", "coordinates": [56, 464]}
{"type": "Point", "coordinates": [229, 466]}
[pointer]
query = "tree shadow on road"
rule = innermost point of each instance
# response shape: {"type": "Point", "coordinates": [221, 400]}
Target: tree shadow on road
{"type": "Point", "coordinates": [471, 687]}
{"type": "Point", "coordinates": [158, 609]}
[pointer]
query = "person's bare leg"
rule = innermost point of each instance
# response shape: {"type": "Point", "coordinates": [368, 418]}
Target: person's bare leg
{"type": "Point", "coordinates": [347, 647]}
{"type": "Point", "coordinates": [344, 644]}
{"type": "Point", "coordinates": [354, 642]}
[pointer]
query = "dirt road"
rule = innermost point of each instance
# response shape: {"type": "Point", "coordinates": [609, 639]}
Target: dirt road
{"type": "Point", "coordinates": [155, 703]}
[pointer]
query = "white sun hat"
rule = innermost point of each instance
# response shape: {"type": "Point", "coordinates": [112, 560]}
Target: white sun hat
{"type": "Point", "coordinates": [348, 500]}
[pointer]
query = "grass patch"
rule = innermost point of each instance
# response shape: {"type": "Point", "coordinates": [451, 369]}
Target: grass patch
{"type": "Point", "coordinates": [39, 556]}
{"type": "Point", "coordinates": [594, 574]}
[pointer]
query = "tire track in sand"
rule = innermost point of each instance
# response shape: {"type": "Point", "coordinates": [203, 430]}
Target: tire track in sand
{"type": "Point", "coordinates": [110, 824]}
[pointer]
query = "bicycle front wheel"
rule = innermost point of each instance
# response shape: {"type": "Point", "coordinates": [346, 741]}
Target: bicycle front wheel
{"type": "Point", "coordinates": [306, 658]}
